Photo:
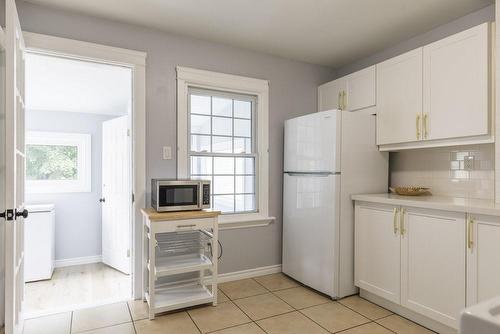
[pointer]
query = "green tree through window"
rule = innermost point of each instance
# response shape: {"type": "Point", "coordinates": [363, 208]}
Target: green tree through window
{"type": "Point", "coordinates": [51, 162]}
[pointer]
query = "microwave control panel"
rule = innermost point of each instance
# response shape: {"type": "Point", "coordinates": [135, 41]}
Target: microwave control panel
{"type": "Point", "coordinates": [206, 194]}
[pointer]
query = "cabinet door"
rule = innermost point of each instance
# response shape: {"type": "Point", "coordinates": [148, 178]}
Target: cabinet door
{"type": "Point", "coordinates": [433, 264]}
{"type": "Point", "coordinates": [483, 265]}
{"type": "Point", "coordinates": [399, 98]}
{"type": "Point", "coordinates": [377, 250]}
{"type": "Point", "coordinates": [360, 89]}
{"type": "Point", "coordinates": [330, 95]}
{"type": "Point", "coordinates": [456, 85]}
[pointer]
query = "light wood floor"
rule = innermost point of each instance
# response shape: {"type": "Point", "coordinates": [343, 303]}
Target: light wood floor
{"type": "Point", "coordinates": [76, 287]}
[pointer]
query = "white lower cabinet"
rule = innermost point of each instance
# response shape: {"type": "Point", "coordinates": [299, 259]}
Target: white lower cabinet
{"type": "Point", "coordinates": [413, 257]}
{"type": "Point", "coordinates": [377, 250]}
{"type": "Point", "coordinates": [483, 264]}
{"type": "Point", "coordinates": [433, 263]}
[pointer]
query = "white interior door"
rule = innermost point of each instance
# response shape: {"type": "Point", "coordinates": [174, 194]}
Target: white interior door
{"type": "Point", "coordinates": [14, 170]}
{"type": "Point", "coordinates": [116, 193]}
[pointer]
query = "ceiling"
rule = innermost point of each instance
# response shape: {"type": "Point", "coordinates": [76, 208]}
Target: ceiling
{"type": "Point", "coordinates": [325, 32]}
{"type": "Point", "coordinates": [62, 84]}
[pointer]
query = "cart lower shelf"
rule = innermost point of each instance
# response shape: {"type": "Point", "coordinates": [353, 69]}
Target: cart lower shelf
{"type": "Point", "coordinates": [167, 299]}
{"type": "Point", "coordinates": [170, 265]}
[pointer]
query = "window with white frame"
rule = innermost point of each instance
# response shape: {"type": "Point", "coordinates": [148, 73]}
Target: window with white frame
{"type": "Point", "coordinates": [222, 147]}
{"type": "Point", "coordinates": [58, 162]}
{"type": "Point", "coordinates": [222, 136]}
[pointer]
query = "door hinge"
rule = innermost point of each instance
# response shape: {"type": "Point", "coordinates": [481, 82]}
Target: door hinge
{"type": "Point", "coordinates": [133, 198]}
{"type": "Point", "coordinates": [128, 252]}
{"type": "Point", "coordinates": [128, 132]}
{"type": "Point", "coordinates": [8, 214]}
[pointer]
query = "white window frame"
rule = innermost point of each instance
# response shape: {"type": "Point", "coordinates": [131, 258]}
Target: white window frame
{"type": "Point", "coordinates": [189, 77]}
{"type": "Point", "coordinates": [84, 164]}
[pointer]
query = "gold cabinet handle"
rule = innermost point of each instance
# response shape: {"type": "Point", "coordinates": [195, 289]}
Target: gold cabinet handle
{"type": "Point", "coordinates": [470, 222]}
{"type": "Point", "coordinates": [425, 126]}
{"type": "Point", "coordinates": [402, 212]}
{"type": "Point", "coordinates": [339, 103]}
{"type": "Point", "coordinates": [395, 213]}
{"type": "Point", "coordinates": [418, 126]}
{"type": "Point", "coordinates": [344, 100]}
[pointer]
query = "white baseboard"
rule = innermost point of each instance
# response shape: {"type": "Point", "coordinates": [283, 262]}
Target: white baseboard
{"type": "Point", "coordinates": [78, 260]}
{"type": "Point", "coordinates": [248, 273]}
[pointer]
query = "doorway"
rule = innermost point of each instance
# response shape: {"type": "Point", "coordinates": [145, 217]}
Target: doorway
{"type": "Point", "coordinates": [79, 177]}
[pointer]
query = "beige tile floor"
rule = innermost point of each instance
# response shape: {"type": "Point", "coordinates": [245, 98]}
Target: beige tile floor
{"type": "Point", "coordinates": [272, 304]}
{"type": "Point", "coordinates": [76, 286]}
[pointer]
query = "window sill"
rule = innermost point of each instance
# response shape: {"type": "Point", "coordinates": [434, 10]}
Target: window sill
{"type": "Point", "coordinates": [229, 222]}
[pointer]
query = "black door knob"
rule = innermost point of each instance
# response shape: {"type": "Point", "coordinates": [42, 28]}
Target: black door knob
{"type": "Point", "coordinates": [102, 200]}
{"type": "Point", "coordinates": [23, 213]}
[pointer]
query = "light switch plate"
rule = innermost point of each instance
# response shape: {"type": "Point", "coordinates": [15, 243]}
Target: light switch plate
{"type": "Point", "coordinates": [167, 152]}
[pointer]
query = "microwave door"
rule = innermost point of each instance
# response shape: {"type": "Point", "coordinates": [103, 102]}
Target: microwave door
{"type": "Point", "coordinates": [172, 197]}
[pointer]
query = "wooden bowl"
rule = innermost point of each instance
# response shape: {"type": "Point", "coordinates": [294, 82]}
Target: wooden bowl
{"type": "Point", "coordinates": [410, 191]}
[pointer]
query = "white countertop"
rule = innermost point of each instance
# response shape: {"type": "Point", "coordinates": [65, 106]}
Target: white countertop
{"type": "Point", "coordinates": [456, 204]}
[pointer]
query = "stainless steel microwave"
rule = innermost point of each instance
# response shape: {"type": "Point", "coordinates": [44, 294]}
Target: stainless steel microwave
{"type": "Point", "coordinates": [179, 195]}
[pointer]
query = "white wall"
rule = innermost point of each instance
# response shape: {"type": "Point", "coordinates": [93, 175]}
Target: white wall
{"type": "Point", "coordinates": [292, 93]}
{"type": "Point", "coordinates": [78, 215]}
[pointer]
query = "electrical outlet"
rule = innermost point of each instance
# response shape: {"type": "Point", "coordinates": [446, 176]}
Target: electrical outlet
{"type": "Point", "coordinates": [167, 152]}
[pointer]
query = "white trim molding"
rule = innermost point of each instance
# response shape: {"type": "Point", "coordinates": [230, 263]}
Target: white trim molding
{"type": "Point", "coordinates": [136, 60]}
{"type": "Point", "coordinates": [190, 77]}
{"type": "Point", "coordinates": [75, 261]}
{"type": "Point", "coordinates": [243, 274]}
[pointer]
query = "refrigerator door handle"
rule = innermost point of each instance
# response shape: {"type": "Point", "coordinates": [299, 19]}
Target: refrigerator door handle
{"type": "Point", "coordinates": [309, 174]}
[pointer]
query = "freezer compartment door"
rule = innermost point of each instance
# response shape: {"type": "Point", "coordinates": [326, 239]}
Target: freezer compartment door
{"type": "Point", "coordinates": [312, 142]}
{"type": "Point", "coordinates": [310, 229]}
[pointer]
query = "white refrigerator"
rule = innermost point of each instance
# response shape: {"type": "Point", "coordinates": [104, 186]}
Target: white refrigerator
{"type": "Point", "coordinates": [328, 156]}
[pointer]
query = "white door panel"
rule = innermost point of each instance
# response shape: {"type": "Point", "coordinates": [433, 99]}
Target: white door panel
{"type": "Point", "coordinates": [13, 137]}
{"type": "Point", "coordinates": [399, 98]}
{"type": "Point", "coordinates": [330, 95]}
{"type": "Point", "coordinates": [310, 229]}
{"type": "Point", "coordinates": [377, 251]}
{"type": "Point", "coordinates": [117, 194]}
{"type": "Point", "coordinates": [360, 89]}
{"type": "Point", "coordinates": [456, 85]}
{"type": "Point", "coordinates": [483, 266]}
{"type": "Point", "coordinates": [433, 264]}
{"type": "Point", "coordinates": [312, 143]}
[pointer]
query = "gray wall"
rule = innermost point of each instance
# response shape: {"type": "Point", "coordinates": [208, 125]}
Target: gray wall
{"type": "Point", "coordinates": [483, 15]}
{"type": "Point", "coordinates": [292, 93]}
{"type": "Point", "coordinates": [78, 215]}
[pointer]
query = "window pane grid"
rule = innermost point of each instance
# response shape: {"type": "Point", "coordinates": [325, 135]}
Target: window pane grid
{"type": "Point", "coordinates": [220, 116]}
{"type": "Point", "coordinates": [222, 149]}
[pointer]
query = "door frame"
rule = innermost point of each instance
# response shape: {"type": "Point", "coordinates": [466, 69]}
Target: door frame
{"type": "Point", "coordinates": [136, 60]}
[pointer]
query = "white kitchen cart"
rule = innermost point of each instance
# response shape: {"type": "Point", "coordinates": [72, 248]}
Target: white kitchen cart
{"type": "Point", "coordinates": [178, 248]}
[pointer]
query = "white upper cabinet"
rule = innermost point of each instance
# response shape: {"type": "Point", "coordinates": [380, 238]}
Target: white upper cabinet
{"type": "Point", "coordinates": [456, 85]}
{"type": "Point", "coordinates": [331, 95]}
{"type": "Point", "coordinates": [483, 266]}
{"type": "Point", "coordinates": [399, 98]}
{"type": "Point", "coordinates": [360, 90]}
{"type": "Point", "coordinates": [353, 92]}
{"type": "Point", "coordinates": [438, 95]}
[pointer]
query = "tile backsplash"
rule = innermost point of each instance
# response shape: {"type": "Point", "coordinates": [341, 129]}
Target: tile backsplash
{"type": "Point", "coordinates": [461, 171]}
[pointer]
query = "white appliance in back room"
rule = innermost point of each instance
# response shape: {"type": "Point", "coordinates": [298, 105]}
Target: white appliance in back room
{"type": "Point", "coordinates": [329, 156]}
{"type": "Point", "coordinates": [39, 241]}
